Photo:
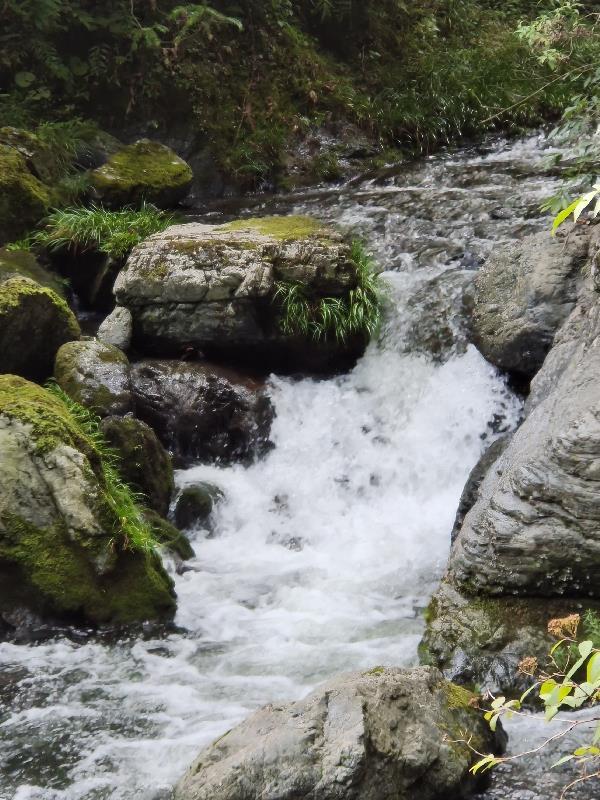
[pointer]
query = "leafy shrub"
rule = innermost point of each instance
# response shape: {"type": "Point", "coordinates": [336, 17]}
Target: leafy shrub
{"type": "Point", "coordinates": [115, 233]}
{"type": "Point", "coordinates": [333, 317]}
{"type": "Point", "coordinates": [133, 532]}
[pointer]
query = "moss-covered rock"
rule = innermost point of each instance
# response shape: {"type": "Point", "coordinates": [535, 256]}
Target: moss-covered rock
{"type": "Point", "coordinates": [34, 323]}
{"type": "Point", "coordinates": [96, 375]}
{"type": "Point", "coordinates": [15, 263]}
{"type": "Point", "coordinates": [23, 198]}
{"type": "Point", "coordinates": [143, 461]}
{"type": "Point", "coordinates": [64, 548]}
{"type": "Point", "coordinates": [142, 171]}
{"type": "Point", "coordinates": [195, 504]}
{"type": "Point", "coordinates": [168, 536]}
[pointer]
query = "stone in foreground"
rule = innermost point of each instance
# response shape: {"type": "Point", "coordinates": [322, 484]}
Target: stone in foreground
{"type": "Point", "coordinates": [143, 171]}
{"type": "Point", "coordinates": [64, 551]}
{"type": "Point", "coordinates": [213, 289]}
{"type": "Point", "coordinates": [385, 734]}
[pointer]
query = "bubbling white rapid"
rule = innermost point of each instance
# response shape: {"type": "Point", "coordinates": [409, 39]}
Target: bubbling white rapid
{"type": "Point", "coordinates": [322, 555]}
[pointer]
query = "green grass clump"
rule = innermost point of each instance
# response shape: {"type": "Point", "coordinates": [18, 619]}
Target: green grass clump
{"type": "Point", "coordinates": [132, 532]}
{"type": "Point", "coordinates": [115, 233]}
{"type": "Point", "coordinates": [358, 313]}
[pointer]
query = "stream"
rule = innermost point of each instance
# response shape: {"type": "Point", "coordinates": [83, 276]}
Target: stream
{"type": "Point", "coordinates": [322, 556]}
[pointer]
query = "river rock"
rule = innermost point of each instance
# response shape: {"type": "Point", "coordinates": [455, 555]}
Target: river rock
{"type": "Point", "coordinates": [143, 462]}
{"type": "Point", "coordinates": [385, 734]}
{"type": "Point", "coordinates": [143, 171]}
{"type": "Point", "coordinates": [24, 199]}
{"type": "Point", "coordinates": [201, 411]}
{"type": "Point", "coordinates": [117, 328]}
{"type": "Point", "coordinates": [213, 289]}
{"type": "Point", "coordinates": [195, 504]}
{"type": "Point", "coordinates": [96, 375]}
{"type": "Point", "coordinates": [523, 294]}
{"type": "Point", "coordinates": [63, 549]}
{"type": "Point", "coordinates": [34, 323]}
{"type": "Point", "coordinates": [168, 536]}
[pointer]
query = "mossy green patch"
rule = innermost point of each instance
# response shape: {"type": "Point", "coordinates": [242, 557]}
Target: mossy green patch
{"type": "Point", "coordinates": [458, 696]}
{"type": "Point", "coordinates": [284, 228]}
{"type": "Point", "coordinates": [14, 263]}
{"type": "Point", "coordinates": [142, 171]}
{"type": "Point", "coordinates": [24, 200]}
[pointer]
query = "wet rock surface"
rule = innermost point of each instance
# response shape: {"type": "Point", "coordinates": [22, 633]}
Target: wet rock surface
{"type": "Point", "coordinates": [117, 328]}
{"type": "Point", "coordinates": [96, 375]}
{"type": "Point", "coordinates": [375, 735]}
{"type": "Point", "coordinates": [522, 295]}
{"type": "Point", "coordinates": [194, 504]}
{"type": "Point", "coordinates": [203, 412]}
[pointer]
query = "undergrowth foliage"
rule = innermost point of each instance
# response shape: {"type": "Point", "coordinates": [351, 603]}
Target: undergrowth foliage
{"type": "Point", "coordinates": [115, 233]}
{"type": "Point", "coordinates": [339, 318]}
{"type": "Point", "coordinates": [131, 532]}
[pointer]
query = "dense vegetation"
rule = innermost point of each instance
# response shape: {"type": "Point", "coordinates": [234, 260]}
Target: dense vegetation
{"type": "Point", "coordinates": [250, 77]}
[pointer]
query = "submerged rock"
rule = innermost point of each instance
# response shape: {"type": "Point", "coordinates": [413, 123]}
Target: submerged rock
{"type": "Point", "coordinates": [201, 411]}
{"type": "Point", "coordinates": [522, 295]}
{"type": "Point", "coordinates": [169, 536]}
{"type": "Point", "coordinates": [34, 323]}
{"type": "Point", "coordinates": [385, 734]}
{"type": "Point", "coordinates": [24, 199]}
{"type": "Point", "coordinates": [194, 504]}
{"type": "Point", "coordinates": [63, 548]}
{"type": "Point", "coordinates": [143, 462]}
{"type": "Point", "coordinates": [213, 288]}
{"type": "Point", "coordinates": [143, 171]}
{"type": "Point", "coordinates": [96, 375]}
{"type": "Point", "coordinates": [117, 328]}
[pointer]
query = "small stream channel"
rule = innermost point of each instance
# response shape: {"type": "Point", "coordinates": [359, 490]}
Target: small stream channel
{"type": "Point", "coordinates": [323, 555]}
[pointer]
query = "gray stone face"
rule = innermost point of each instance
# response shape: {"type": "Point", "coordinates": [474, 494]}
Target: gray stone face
{"type": "Point", "coordinates": [214, 288]}
{"type": "Point", "coordinates": [96, 375]}
{"type": "Point", "coordinates": [523, 294]}
{"type": "Point", "coordinates": [117, 329]}
{"type": "Point", "coordinates": [535, 529]}
{"type": "Point", "coordinates": [378, 735]}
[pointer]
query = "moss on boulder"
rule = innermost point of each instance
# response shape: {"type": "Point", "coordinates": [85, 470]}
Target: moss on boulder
{"type": "Point", "coordinates": [63, 548]}
{"type": "Point", "coordinates": [22, 263]}
{"type": "Point", "coordinates": [142, 171]}
{"type": "Point", "coordinates": [143, 461]}
{"type": "Point", "coordinates": [34, 323]}
{"type": "Point", "coordinates": [96, 375]}
{"type": "Point", "coordinates": [169, 536]}
{"type": "Point", "coordinates": [24, 199]}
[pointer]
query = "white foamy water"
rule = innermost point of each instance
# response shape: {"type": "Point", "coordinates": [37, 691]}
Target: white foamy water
{"type": "Point", "coordinates": [322, 555]}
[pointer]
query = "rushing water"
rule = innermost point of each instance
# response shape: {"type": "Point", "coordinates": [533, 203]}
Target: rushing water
{"type": "Point", "coordinates": [322, 555]}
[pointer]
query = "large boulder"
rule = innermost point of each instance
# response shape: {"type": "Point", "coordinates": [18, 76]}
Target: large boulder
{"type": "Point", "coordinates": [24, 199]}
{"type": "Point", "coordinates": [65, 548]}
{"type": "Point", "coordinates": [523, 294]}
{"type": "Point", "coordinates": [214, 289]}
{"type": "Point", "coordinates": [201, 411]}
{"type": "Point", "coordinates": [143, 462]}
{"type": "Point", "coordinates": [143, 171]}
{"type": "Point", "coordinates": [34, 323]}
{"type": "Point", "coordinates": [96, 375]}
{"type": "Point", "coordinates": [385, 734]}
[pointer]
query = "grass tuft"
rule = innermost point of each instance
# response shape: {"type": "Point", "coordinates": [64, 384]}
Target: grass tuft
{"type": "Point", "coordinates": [132, 532]}
{"type": "Point", "coordinates": [334, 317]}
{"type": "Point", "coordinates": [115, 233]}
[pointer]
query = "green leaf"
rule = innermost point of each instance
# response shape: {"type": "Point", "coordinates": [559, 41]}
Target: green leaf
{"type": "Point", "coordinates": [24, 79]}
{"type": "Point", "coordinates": [593, 668]}
{"type": "Point", "coordinates": [563, 760]}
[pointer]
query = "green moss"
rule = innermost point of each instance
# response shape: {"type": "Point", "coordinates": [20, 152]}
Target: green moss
{"type": "Point", "coordinates": [169, 536]}
{"type": "Point", "coordinates": [375, 671]}
{"type": "Point", "coordinates": [14, 290]}
{"type": "Point", "coordinates": [458, 696]}
{"type": "Point", "coordinates": [141, 171]}
{"type": "Point", "coordinates": [24, 200]}
{"type": "Point", "coordinates": [23, 263]}
{"type": "Point", "coordinates": [284, 228]}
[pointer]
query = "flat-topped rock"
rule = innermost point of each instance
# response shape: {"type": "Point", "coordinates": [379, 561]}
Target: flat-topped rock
{"type": "Point", "coordinates": [215, 288]}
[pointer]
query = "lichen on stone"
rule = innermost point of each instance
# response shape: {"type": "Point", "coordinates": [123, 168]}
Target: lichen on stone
{"type": "Point", "coordinates": [284, 228]}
